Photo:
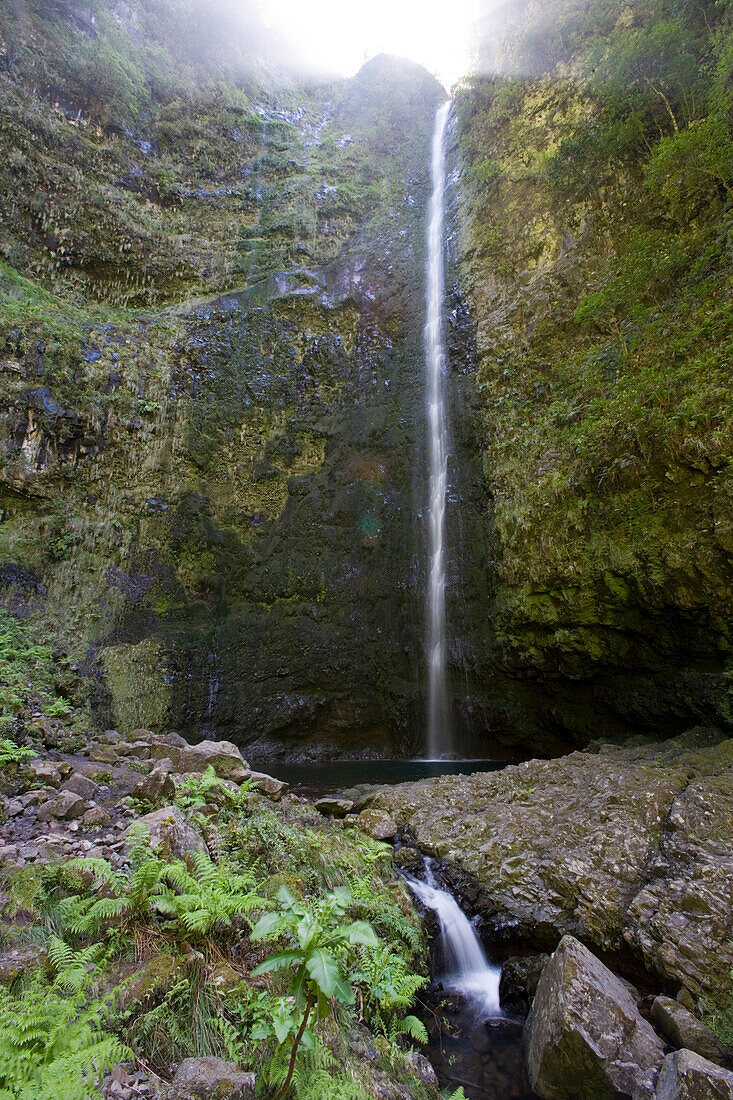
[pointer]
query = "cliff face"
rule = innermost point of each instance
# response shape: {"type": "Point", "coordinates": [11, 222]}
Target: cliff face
{"type": "Point", "coordinates": [592, 251]}
{"type": "Point", "coordinates": [211, 377]}
{"type": "Point", "coordinates": [211, 391]}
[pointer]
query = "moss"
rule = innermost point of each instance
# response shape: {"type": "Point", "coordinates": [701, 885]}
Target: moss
{"type": "Point", "coordinates": [136, 678]}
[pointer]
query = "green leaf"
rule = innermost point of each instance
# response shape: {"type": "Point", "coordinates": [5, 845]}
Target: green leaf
{"type": "Point", "coordinates": [268, 924]}
{"type": "Point", "coordinates": [278, 962]}
{"type": "Point", "coordinates": [343, 896]}
{"type": "Point", "coordinates": [261, 1031]}
{"type": "Point", "coordinates": [289, 901]}
{"type": "Point", "coordinates": [343, 991]}
{"type": "Point", "coordinates": [361, 932]}
{"type": "Point", "coordinates": [324, 970]}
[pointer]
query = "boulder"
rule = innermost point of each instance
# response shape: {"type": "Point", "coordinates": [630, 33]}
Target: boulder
{"type": "Point", "coordinates": [223, 756]}
{"type": "Point", "coordinates": [137, 750]}
{"type": "Point", "coordinates": [157, 786]}
{"type": "Point", "coordinates": [422, 1068]}
{"type": "Point", "coordinates": [65, 807]}
{"type": "Point", "coordinates": [584, 1036]}
{"type": "Point", "coordinates": [170, 834]}
{"type": "Point", "coordinates": [95, 816]}
{"type": "Point", "coordinates": [377, 824]}
{"type": "Point", "coordinates": [268, 785]}
{"type": "Point", "coordinates": [103, 754]}
{"type": "Point", "coordinates": [334, 807]}
{"type": "Point", "coordinates": [46, 771]}
{"type": "Point", "coordinates": [518, 984]}
{"type": "Point", "coordinates": [83, 786]}
{"type": "Point", "coordinates": [687, 1076]}
{"type": "Point", "coordinates": [682, 1029]}
{"type": "Point", "coordinates": [210, 1079]}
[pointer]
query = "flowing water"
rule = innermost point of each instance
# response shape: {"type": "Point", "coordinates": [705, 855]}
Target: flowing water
{"type": "Point", "coordinates": [439, 724]}
{"type": "Point", "coordinates": [472, 1042]}
{"type": "Point", "coordinates": [466, 970]}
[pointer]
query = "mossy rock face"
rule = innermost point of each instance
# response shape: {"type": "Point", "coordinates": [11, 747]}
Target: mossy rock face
{"type": "Point", "coordinates": [593, 408]}
{"type": "Point", "coordinates": [218, 496]}
{"type": "Point", "coordinates": [138, 681]}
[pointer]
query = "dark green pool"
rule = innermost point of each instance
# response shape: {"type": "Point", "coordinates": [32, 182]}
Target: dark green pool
{"type": "Point", "coordinates": [336, 775]}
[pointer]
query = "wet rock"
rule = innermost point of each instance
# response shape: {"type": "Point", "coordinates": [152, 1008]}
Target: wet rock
{"type": "Point", "coordinates": [334, 807]}
{"type": "Point", "coordinates": [584, 1035]}
{"type": "Point", "coordinates": [686, 1076]}
{"type": "Point", "coordinates": [65, 807]}
{"type": "Point", "coordinates": [83, 786]}
{"type": "Point", "coordinates": [682, 1029]}
{"type": "Point", "coordinates": [158, 786]}
{"type": "Point", "coordinates": [377, 824]}
{"type": "Point", "coordinates": [409, 859]}
{"type": "Point", "coordinates": [518, 983]}
{"type": "Point", "coordinates": [422, 1067]}
{"type": "Point", "coordinates": [210, 1079]}
{"type": "Point", "coordinates": [170, 834]}
{"type": "Point", "coordinates": [268, 785]}
{"type": "Point", "coordinates": [19, 961]}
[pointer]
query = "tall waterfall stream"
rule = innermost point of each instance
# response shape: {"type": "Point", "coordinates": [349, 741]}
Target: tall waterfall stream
{"type": "Point", "coordinates": [439, 726]}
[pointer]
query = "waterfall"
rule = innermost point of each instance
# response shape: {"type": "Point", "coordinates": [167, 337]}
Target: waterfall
{"type": "Point", "coordinates": [467, 970]}
{"type": "Point", "coordinates": [439, 724]}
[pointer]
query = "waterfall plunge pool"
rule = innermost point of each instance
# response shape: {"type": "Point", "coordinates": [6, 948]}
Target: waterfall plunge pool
{"type": "Point", "coordinates": [330, 776]}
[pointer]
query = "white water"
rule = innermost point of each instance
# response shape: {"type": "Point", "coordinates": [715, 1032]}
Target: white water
{"type": "Point", "coordinates": [467, 970]}
{"type": "Point", "coordinates": [439, 729]}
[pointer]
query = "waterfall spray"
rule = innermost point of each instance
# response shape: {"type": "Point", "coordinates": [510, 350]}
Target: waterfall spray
{"type": "Point", "coordinates": [439, 723]}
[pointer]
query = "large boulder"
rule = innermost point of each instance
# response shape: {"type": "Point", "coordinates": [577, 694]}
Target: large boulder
{"type": "Point", "coordinates": [687, 1076]}
{"type": "Point", "coordinates": [584, 1037]}
{"type": "Point", "coordinates": [64, 807]}
{"type": "Point", "coordinates": [265, 784]}
{"type": "Point", "coordinates": [682, 1029]}
{"type": "Point", "coordinates": [157, 786]}
{"type": "Point", "coordinates": [223, 756]}
{"type": "Point", "coordinates": [210, 1079]}
{"type": "Point", "coordinates": [82, 785]}
{"type": "Point", "coordinates": [170, 834]}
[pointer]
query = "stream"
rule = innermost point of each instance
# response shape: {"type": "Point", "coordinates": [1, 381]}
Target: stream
{"type": "Point", "coordinates": [472, 1042]}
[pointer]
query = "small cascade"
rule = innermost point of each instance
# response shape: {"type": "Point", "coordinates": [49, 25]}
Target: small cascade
{"type": "Point", "coordinates": [467, 970]}
{"type": "Point", "coordinates": [439, 724]}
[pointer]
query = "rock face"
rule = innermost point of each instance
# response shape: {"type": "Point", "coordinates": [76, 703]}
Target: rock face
{"type": "Point", "coordinates": [584, 1036]}
{"type": "Point", "coordinates": [687, 1076]}
{"type": "Point", "coordinates": [641, 859]}
{"type": "Point", "coordinates": [249, 457]}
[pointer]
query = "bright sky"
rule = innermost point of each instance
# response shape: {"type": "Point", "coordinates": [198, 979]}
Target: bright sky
{"type": "Point", "coordinates": [338, 36]}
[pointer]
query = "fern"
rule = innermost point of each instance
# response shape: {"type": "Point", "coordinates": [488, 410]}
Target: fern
{"type": "Point", "coordinates": [211, 895]}
{"type": "Point", "coordinates": [72, 967]}
{"type": "Point", "coordinates": [10, 753]}
{"type": "Point", "coordinates": [52, 1047]}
